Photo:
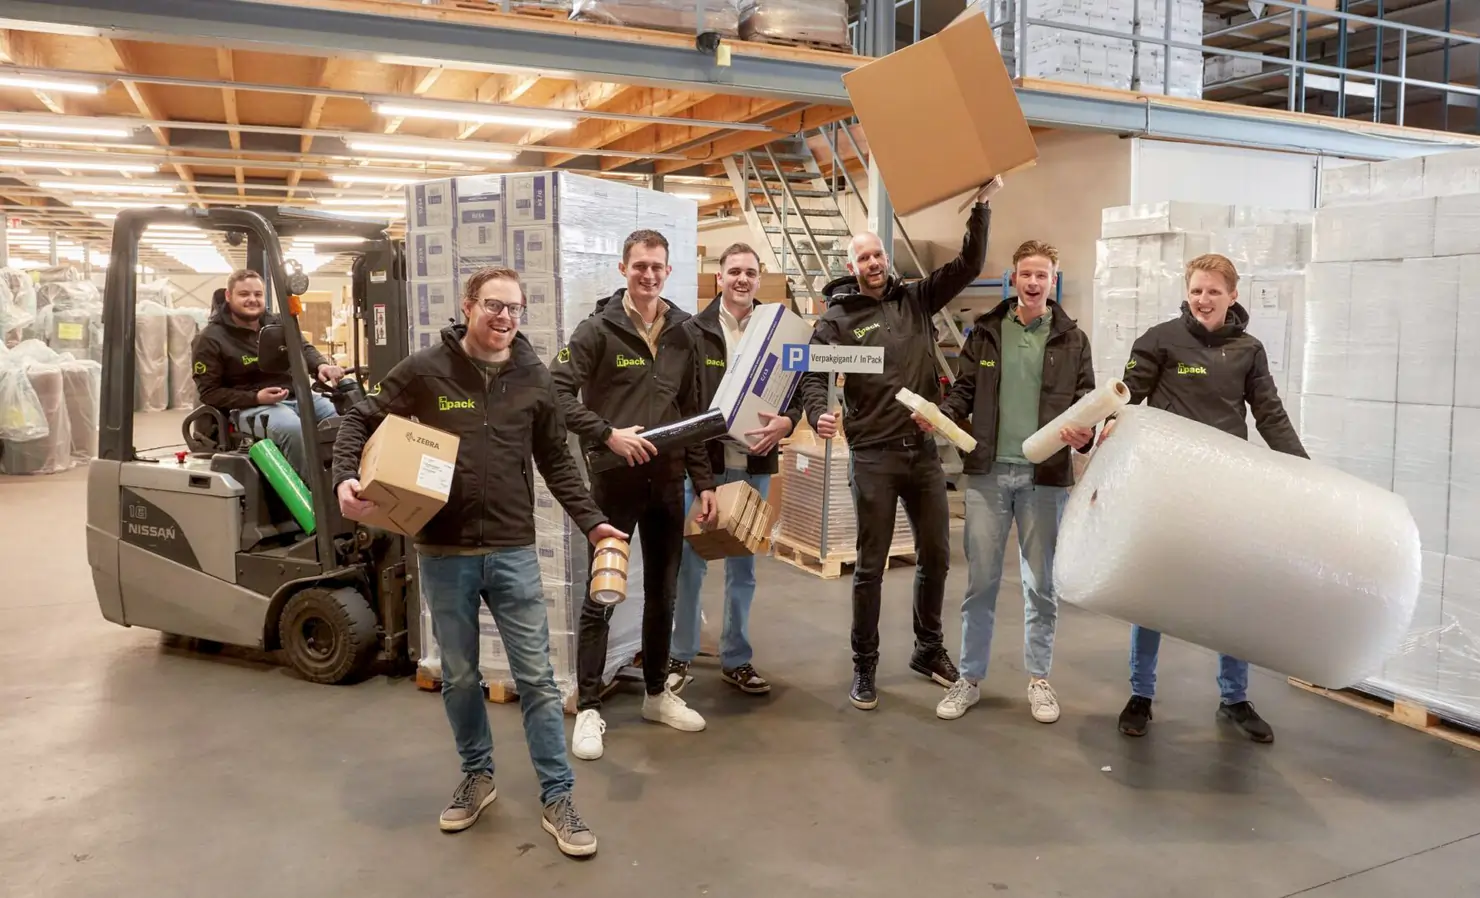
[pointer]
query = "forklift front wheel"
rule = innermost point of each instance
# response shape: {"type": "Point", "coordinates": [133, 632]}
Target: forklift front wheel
{"type": "Point", "coordinates": [328, 635]}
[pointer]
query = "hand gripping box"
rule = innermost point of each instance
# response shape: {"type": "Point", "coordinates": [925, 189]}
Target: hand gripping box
{"type": "Point", "coordinates": [406, 470]}
{"type": "Point", "coordinates": [741, 527]}
{"type": "Point", "coordinates": [756, 379]}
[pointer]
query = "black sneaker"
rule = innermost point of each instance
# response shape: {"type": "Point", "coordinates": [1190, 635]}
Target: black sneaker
{"type": "Point", "coordinates": [863, 695]}
{"type": "Point", "coordinates": [746, 679]}
{"type": "Point", "coordinates": [934, 663]}
{"type": "Point", "coordinates": [678, 675]}
{"type": "Point", "coordinates": [1136, 716]}
{"type": "Point", "coordinates": [1243, 716]}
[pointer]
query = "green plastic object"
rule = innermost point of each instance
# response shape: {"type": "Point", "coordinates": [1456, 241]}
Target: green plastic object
{"type": "Point", "coordinates": [285, 482]}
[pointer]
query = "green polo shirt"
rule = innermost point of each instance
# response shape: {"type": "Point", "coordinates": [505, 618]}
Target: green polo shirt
{"type": "Point", "coordinates": [1020, 384]}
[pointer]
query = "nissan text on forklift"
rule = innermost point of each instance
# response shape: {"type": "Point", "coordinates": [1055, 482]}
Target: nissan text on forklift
{"type": "Point", "coordinates": [205, 544]}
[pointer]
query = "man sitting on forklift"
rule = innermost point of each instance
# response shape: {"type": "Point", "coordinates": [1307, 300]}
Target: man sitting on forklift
{"type": "Point", "coordinates": [229, 378]}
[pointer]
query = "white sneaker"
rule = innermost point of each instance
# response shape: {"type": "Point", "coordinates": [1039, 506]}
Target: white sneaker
{"type": "Point", "coordinates": [962, 695]}
{"type": "Point", "coordinates": [665, 707]}
{"type": "Point", "coordinates": [1044, 703]}
{"type": "Point", "coordinates": [585, 742]}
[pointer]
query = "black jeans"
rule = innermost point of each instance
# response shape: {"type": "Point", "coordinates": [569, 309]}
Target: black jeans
{"type": "Point", "coordinates": [650, 503]}
{"type": "Point", "coordinates": [882, 475]}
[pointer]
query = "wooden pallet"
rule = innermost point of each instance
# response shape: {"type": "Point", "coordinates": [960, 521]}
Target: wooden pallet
{"type": "Point", "coordinates": [504, 692]}
{"type": "Point", "coordinates": [543, 12]}
{"type": "Point", "coordinates": [809, 558]}
{"type": "Point", "coordinates": [1410, 714]}
{"type": "Point", "coordinates": [824, 46]}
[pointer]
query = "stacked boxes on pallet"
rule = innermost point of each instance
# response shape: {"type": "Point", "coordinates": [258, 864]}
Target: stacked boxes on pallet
{"type": "Point", "coordinates": [1391, 389]}
{"type": "Point", "coordinates": [721, 17]}
{"type": "Point", "coordinates": [563, 233]}
{"type": "Point", "coordinates": [1187, 65]}
{"type": "Point", "coordinates": [802, 21]}
{"type": "Point", "coordinates": [803, 462]}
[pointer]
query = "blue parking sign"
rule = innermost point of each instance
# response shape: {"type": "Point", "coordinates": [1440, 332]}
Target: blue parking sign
{"type": "Point", "coordinates": [794, 357]}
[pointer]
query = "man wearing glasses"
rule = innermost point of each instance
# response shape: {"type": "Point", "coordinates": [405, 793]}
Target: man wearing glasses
{"type": "Point", "coordinates": [485, 384]}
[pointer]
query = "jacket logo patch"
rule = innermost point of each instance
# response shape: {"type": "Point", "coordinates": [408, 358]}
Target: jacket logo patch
{"type": "Point", "coordinates": [249, 360]}
{"type": "Point", "coordinates": [200, 367]}
{"type": "Point", "coordinates": [626, 361]}
{"type": "Point", "coordinates": [563, 355]}
{"type": "Point", "coordinates": [446, 405]}
{"type": "Point", "coordinates": [1183, 368]}
{"type": "Point", "coordinates": [715, 363]}
{"type": "Point", "coordinates": [860, 332]}
{"type": "Point", "coordinates": [989, 363]}
{"type": "Point", "coordinates": [1131, 364]}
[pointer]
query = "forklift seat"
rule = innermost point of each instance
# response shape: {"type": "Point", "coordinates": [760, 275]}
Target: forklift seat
{"type": "Point", "coordinates": [208, 430]}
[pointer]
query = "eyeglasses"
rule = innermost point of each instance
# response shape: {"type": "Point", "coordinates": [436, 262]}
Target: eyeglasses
{"type": "Point", "coordinates": [494, 307]}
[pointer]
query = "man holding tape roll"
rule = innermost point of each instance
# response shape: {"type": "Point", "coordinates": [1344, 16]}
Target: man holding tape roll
{"type": "Point", "coordinates": [485, 384]}
{"type": "Point", "coordinates": [1025, 363]}
{"type": "Point", "coordinates": [890, 460]}
{"type": "Point", "coordinates": [634, 364]}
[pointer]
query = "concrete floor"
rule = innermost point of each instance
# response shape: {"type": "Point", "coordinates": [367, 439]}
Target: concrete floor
{"type": "Point", "coordinates": [135, 767]}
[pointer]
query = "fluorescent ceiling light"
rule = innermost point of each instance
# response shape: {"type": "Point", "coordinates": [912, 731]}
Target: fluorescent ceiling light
{"type": "Point", "coordinates": [329, 239]}
{"type": "Point", "coordinates": [429, 149]}
{"type": "Point", "coordinates": [140, 188]}
{"type": "Point", "coordinates": [376, 179]}
{"type": "Point", "coordinates": [49, 84]}
{"type": "Point", "coordinates": [455, 114]}
{"type": "Point", "coordinates": [164, 227]}
{"type": "Point", "coordinates": [689, 195]}
{"type": "Point", "coordinates": [32, 127]}
{"type": "Point", "coordinates": [72, 165]}
{"type": "Point", "coordinates": [13, 231]}
{"type": "Point", "coordinates": [383, 203]}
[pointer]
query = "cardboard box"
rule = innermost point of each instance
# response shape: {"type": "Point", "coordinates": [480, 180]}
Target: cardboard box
{"type": "Point", "coordinates": [742, 526]}
{"type": "Point", "coordinates": [406, 470]}
{"type": "Point", "coordinates": [942, 116]}
{"type": "Point", "coordinates": [756, 380]}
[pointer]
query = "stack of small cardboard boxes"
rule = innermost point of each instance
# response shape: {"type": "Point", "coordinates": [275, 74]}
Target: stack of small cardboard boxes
{"type": "Point", "coordinates": [742, 525]}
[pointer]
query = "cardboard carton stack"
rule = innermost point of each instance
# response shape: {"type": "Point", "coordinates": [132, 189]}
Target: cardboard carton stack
{"type": "Point", "coordinates": [563, 233]}
{"type": "Point", "coordinates": [803, 462]}
{"type": "Point", "coordinates": [1187, 65]}
{"type": "Point", "coordinates": [1391, 389]}
{"type": "Point", "coordinates": [1062, 54]}
{"type": "Point", "coordinates": [742, 527]}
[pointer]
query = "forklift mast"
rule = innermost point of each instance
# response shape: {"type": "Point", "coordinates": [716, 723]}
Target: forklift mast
{"type": "Point", "coordinates": [379, 286]}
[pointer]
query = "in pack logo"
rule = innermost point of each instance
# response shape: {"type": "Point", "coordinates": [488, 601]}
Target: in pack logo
{"type": "Point", "coordinates": [1197, 370]}
{"type": "Point", "coordinates": [626, 361]}
{"type": "Point", "coordinates": [860, 332]}
{"type": "Point", "coordinates": [249, 360]}
{"type": "Point", "coordinates": [445, 404]}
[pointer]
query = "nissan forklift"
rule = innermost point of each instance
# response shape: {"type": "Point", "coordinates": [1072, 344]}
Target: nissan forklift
{"type": "Point", "coordinates": [199, 543]}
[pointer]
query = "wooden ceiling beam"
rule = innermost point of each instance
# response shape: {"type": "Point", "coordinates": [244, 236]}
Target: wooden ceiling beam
{"type": "Point", "coordinates": [416, 82]}
{"type": "Point", "coordinates": [804, 120]}
{"type": "Point", "coordinates": [227, 69]}
{"type": "Point", "coordinates": [19, 48]}
{"type": "Point", "coordinates": [662, 138]}
{"type": "Point", "coordinates": [598, 133]}
{"type": "Point", "coordinates": [325, 74]}
{"type": "Point", "coordinates": [588, 95]}
{"type": "Point", "coordinates": [124, 60]}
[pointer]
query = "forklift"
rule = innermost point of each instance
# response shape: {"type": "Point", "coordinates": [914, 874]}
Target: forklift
{"type": "Point", "coordinates": [199, 544]}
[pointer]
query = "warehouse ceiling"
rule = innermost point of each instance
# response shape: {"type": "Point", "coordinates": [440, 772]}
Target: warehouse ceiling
{"type": "Point", "coordinates": [90, 125]}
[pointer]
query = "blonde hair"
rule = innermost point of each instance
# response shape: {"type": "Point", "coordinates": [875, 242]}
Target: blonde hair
{"type": "Point", "coordinates": [1035, 248]}
{"type": "Point", "coordinates": [1213, 263]}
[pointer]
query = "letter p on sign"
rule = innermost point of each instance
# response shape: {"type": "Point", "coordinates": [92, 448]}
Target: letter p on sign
{"type": "Point", "coordinates": [795, 357]}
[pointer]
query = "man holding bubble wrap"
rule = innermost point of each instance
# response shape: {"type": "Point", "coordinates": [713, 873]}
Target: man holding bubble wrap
{"type": "Point", "coordinates": [1207, 367]}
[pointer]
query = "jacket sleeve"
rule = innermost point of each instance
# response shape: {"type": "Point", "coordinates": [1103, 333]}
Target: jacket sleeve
{"type": "Point", "coordinates": [396, 395]}
{"type": "Point", "coordinates": [552, 457]}
{"type": "Point", "coordinates": [208, 366]}
{"type": "Point", "coordinates": [1263, 398]}
{"type": "Point", "coordinates": [946, 283]}
{"type": "Point", "coordinates": [1143, 368]}
{"type": "Point", "coordinates": [571, 369]}
{"type": "Point", "coordinates": [696, 455]}
{"type": "Point", "coordinates": [1085, 383]}
{"type": "Point", "coordinates": [960, 401]}
{"type": "Point", "coordinates": [813, 388]}
{"type": "Point", "coordinates": [314, 359]}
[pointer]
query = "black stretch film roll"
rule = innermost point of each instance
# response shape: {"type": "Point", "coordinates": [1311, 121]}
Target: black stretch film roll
{"type": "Point", "coordinates": [667, 439]}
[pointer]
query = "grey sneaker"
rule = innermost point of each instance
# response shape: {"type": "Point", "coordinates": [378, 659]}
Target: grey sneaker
{"type": "Point", "coordinates": [473, 794]}
{"type": "Point", "coordinates": [561, 821]}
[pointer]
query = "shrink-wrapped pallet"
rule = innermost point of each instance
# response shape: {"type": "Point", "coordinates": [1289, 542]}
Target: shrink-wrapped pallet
{"type": "Point", "coordinates": [720, 16]}
{"type": "Point", "coordinates": [53, 452]}
{"type": "Point", "coordinates": [805, 21]}
{"type": "Point", "coordinates": [1272, 558]}
{"type": "Point", "coordinates": [184, 325]}
{"type": "Point", "coordinates": [22, 419]}
{"type": "Point", "coordinates": [151, 358]}
{"type": "Point", "coordinates": [82, 381]}
{"type": "Point", "coordinates": [803, 462]}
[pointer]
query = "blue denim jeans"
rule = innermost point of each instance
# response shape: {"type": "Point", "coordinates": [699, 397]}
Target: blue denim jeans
{"type": "Point", "coordinates": [508, 580]}
{"type": "Point", "coordinates": [734, 645]}
{"type": "Point", "coordinates": [284, 427]}
{"type": "Point", "coordinates": [1233, 674]}
{"type": "Point", "coordinates": [993, 502]}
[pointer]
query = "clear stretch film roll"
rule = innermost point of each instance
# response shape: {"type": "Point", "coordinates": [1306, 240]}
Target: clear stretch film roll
{"type": "Point", "coordinates": [937, 418]}
{"type": "Point", "coordinates": [1271, 558]}
{"type": "Point", "coordinates": [1092, 408]}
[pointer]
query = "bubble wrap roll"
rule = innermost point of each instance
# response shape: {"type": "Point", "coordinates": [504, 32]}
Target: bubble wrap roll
{"type": "Point", "coordinates": [1272, 558]}
{"type": "Point", "coordinates": [1092, 408]}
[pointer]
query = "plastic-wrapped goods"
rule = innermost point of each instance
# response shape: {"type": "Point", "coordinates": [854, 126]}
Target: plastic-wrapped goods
{"type": "Point", "coordinates": [17, 305]}
{"type": "Point", "coordinates": [1267, 557]}
{"type": "Point", "coordinates": [152, 357]}
{"type": "Point", "coordinates": [809, 21]}
{"type": "Point", "coordinates": [60, 274]}
{"type": "Point", "coordinates": [53, 452]}
{"type": "Point", "coordinates": [67, 294]}
{"type": "Point", "coordinates": [159, 291]}
{"type": "Point", "coordinates": [22, 418]}
{"type": "Point", "coordinates": [721, 17]}
{"type": "Point", "coordinates": [803, 461]}
{"type": "Point", "coordinates": [82, 381]}
{"type": "Point", "coordinates": [184, 325]}
{"type": "Point", "coordinates": [1091, 409]}
{"type": "Point", "coordinates": [78, 331]}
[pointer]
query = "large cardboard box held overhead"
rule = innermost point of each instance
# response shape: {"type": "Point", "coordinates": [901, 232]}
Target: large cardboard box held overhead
{"type": "Point", "coordinates": [406, 470]}
{"type": "Point", "coordinates": [941, 116]}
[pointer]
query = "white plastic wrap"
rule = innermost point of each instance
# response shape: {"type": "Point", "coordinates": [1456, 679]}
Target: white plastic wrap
{"type": "Point", "coordinates": [1187, 65]}
{"type": "Point", "coordinates": [159, 291]}
{"type": "Point", "coordinates": [82, 382]}
{"type": "Point", "coordinates": [22, 418]}
{"type": "Point", "coordinates": [184, 325]}
{"type": "Point", "coordinates": [720, 16]}
{"type": "Point", "coordinates": [1457, 225]}
{"type": "Point", "coordinates": [151, 357]}
{"type": "Point", "coordinates": [52, 453]}
{"type": "Point", "coordinates": [1375, 231]}
{"type": "Point", "coordinates": [17, 305]}
{"type": "Point", "coordinates": [1060, 54]}
{"type": "Point", "coordinates": [1091, 409]}
{"type": "Point", "coordinates": [814, 21]}
{"type": "Point", "coordinates": [1268, 557]}
{"type": "Point", "coordinates": [1346, 185]}
{"type": "Point", "coordinates": [1162, 218]}
{"type": "Point", "coordinates": [1397, 179]}
{"type": "Point", "coordinates": [1451, 174]}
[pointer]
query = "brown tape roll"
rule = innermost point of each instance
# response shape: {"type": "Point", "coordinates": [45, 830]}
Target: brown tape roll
{"type": "Point", "coordinates": [609, 588]}
{"type": "Point", "coordinates": [611, 543]}
{"type": "Point", "coordinates": [609, 561]}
